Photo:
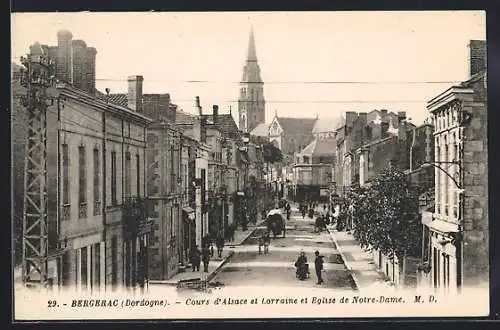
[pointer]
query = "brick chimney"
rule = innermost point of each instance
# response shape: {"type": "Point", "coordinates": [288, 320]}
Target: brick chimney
{"type": "Point", "coordinates": [383, 115]}
{"type": "Point", "coordinates": [477, 56]}
{"type": "Point", "coordinates": [363, 117]}
{"type": "Point", "coordinates": [401, 125]}
{"type": "Point", "coordinates": [90, 68]}
{"type": "Point", "coordinates": [198, 106]}
{"type": "Point", "coordinates": [64, 56]}
{"type": "Point", "coordinates": [79, 65]}
{"type": "Point", "coordinates": [134, 96]}
{"type": "Point", "coordinates": [215, 113]}
{"type": "Point", "coordinates": [350, 117]}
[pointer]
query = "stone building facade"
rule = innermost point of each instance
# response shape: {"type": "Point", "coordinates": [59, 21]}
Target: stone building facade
{"type": "Point", "coordinates": [458, 251]}
{"type": "Point", "coordinates": [102, 148]}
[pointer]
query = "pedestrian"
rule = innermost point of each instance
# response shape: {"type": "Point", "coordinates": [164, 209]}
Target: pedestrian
{"type": "Point", "coordinates": [267, 242]}
{"type": "Point", "coordinates": [211, 250]}
{"type": "Point", "coordinates": [206, 258]}
{"type": "Point", "coordinates": [318, 265]}
{"type": "Point", "coordinates": [219, 242]}
{"type": "Point", "coordinates": [194, 258]}
{"type": "Point", "coordinates": [232, 229]}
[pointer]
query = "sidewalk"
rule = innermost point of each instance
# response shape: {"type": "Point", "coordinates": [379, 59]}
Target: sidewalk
{"type": "Point", "coordinates": [358, 262]}
{"type": "Point", "coordinates": [215, 264]}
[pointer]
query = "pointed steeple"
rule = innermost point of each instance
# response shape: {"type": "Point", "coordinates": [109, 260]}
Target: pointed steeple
{"type": "Point", "coordinates": [252, 53]}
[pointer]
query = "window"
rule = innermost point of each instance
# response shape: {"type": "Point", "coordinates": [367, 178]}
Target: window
{"type": "Point", "coordinates": [172, 172]}
{"type": "Point", "coordinates": [96, 174]}
{"type": "Point", "coordinates": [171, 222]}
{"type": "Point", "coordinates": [138, 174]}
{"type": "Point", "coordinates": [203, 186]}
{"type": "Point", "coordinates": [437, 174]}
{"type": "Point", "coordinates": [127, 174]}
{"type": "Point", "coordinates": [114, 261]}
{"type": "Point", "coordinates": [113, 178]}
{"type": "Point", "coordinates": [97, 265]}
{"type": "Point", "coordinates": [65, 174]}
{"type": "Point", "coordinates": [446, 180]}
{"type": "Point", "coordinates": [83, 267]}
{"type": "Point", "coordinates": [82, 180]}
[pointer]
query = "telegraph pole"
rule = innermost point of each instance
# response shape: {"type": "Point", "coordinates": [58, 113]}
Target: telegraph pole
{"type": "Point", "coordinates": [36, 77]}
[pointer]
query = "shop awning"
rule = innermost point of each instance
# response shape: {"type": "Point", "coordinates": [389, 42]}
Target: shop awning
{"type": "Point", "coordinates": [443, 226]}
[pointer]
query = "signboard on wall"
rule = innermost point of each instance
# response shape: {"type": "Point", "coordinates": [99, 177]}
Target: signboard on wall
{"type": "Point", "coordinates": [324, 192]}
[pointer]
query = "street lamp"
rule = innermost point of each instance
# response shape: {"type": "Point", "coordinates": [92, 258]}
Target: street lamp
{"type": "Point", "coordinates": [457, 240]}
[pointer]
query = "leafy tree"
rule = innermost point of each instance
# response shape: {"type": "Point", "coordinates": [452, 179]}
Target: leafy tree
{"type": "Point", "coordinates": [272, 154]}
{"type": "Point", "coordinates": [385, 215]}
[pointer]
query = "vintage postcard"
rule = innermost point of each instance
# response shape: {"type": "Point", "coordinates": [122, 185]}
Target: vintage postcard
{"type": "Point", "coordinates": [249, 165]}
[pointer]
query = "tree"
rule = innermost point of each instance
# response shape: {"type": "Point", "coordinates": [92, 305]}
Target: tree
{"type": "Point", "coordinates": [272, 154]}
{"type": "Point", "coordinates": [386, 215]}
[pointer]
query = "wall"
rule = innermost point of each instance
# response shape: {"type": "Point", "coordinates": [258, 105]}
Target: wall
{"type": "Point", "coordinates": [475, 162]}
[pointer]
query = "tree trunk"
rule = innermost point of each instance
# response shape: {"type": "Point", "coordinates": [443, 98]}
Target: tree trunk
{"type": "Point", "coordinates": [403, 271]}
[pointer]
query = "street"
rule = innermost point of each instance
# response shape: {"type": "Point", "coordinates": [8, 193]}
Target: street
{"type": "Point", "coordinates": [248, 268]}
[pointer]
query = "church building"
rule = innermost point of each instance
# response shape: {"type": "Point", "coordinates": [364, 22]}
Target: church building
{"type": "Point", "coordinates": [251, 103]}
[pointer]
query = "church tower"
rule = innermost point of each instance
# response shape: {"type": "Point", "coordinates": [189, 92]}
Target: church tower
{"type": "Point", "coordinates": [251, 104]}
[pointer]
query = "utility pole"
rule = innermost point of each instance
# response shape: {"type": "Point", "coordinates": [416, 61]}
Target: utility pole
{"type": "Point", "coordinates": [36, 77]}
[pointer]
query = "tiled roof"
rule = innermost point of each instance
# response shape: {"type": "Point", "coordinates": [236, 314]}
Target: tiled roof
{"type": "Point", "coordinates": [297, 125]}
{"type": "Point", "coordinates": [226, 124]}
{"type": "Point", "coordinates": [320, 147]}
{"type": "Point", "coordinates": [120, 99]}
{"type": "Point", "coordinates": [261, 130]}
{"type": "Point", "coordinates": [184, 118]}
{"type": "Point", "coordinates": [324, 125]}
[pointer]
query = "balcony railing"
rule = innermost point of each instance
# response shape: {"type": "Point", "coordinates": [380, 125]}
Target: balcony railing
{"type": "Point", "coordinates": [82, 210]}
{"type": "Point", "coordinates": [97, 207]}
{"type": "Point", "coordinates": [66, 212]}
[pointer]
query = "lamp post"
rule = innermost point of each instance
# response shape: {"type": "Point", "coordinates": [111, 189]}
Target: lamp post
{"type": "Point", "coordinates": [458, 236]}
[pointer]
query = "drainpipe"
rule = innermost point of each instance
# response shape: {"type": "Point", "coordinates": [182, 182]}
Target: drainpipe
{"type": "Point", "coordinates": [104, 183]}
{"type": "Point", "coordinates": [59, 203]}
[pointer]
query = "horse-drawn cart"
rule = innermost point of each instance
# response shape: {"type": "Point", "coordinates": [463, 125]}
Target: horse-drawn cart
{"type": "Point", "coordinates": [276, 223]}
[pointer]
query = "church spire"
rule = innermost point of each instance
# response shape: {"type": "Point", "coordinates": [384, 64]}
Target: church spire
{"type": "Point", "coordinates": [252, 53]}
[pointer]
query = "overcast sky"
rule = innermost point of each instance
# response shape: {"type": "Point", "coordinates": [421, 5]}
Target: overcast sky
{"type": "Point", "coordinates": [293, 49]}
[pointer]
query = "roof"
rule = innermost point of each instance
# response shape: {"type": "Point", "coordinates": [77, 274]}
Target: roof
{"type": "Point", "coordinates": [120, 99]}
{"type": "Point", "coordinates": [99, 100]}
{"type": "Point", "coordinates": [184, 118]}
{"type": "Point", "coordinates": [225, 123]}
{"type": "Point", "coordinates": [320, 147]}
{"type": "Point", "coordinates": [324, 125]}
{"type": "Point", "coordinates": [261, 130]}
{"type": "Point", "coordinates": [297, 125]}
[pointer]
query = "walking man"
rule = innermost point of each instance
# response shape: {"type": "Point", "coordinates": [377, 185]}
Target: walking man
{"type": "Point", "coordinates": [194, 257]}
{"type": "Point", "coordinates": [206, 259]}
{"type": "Point", "coordinates": [219, 242]}
{"type": "Point", "coordinates": [318, 265]}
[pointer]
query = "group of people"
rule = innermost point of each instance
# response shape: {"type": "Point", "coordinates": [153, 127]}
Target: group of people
{"type": "Point", "coordinates": [302, 266]}
{"type": "Point", "coordinates": [207, 252]}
